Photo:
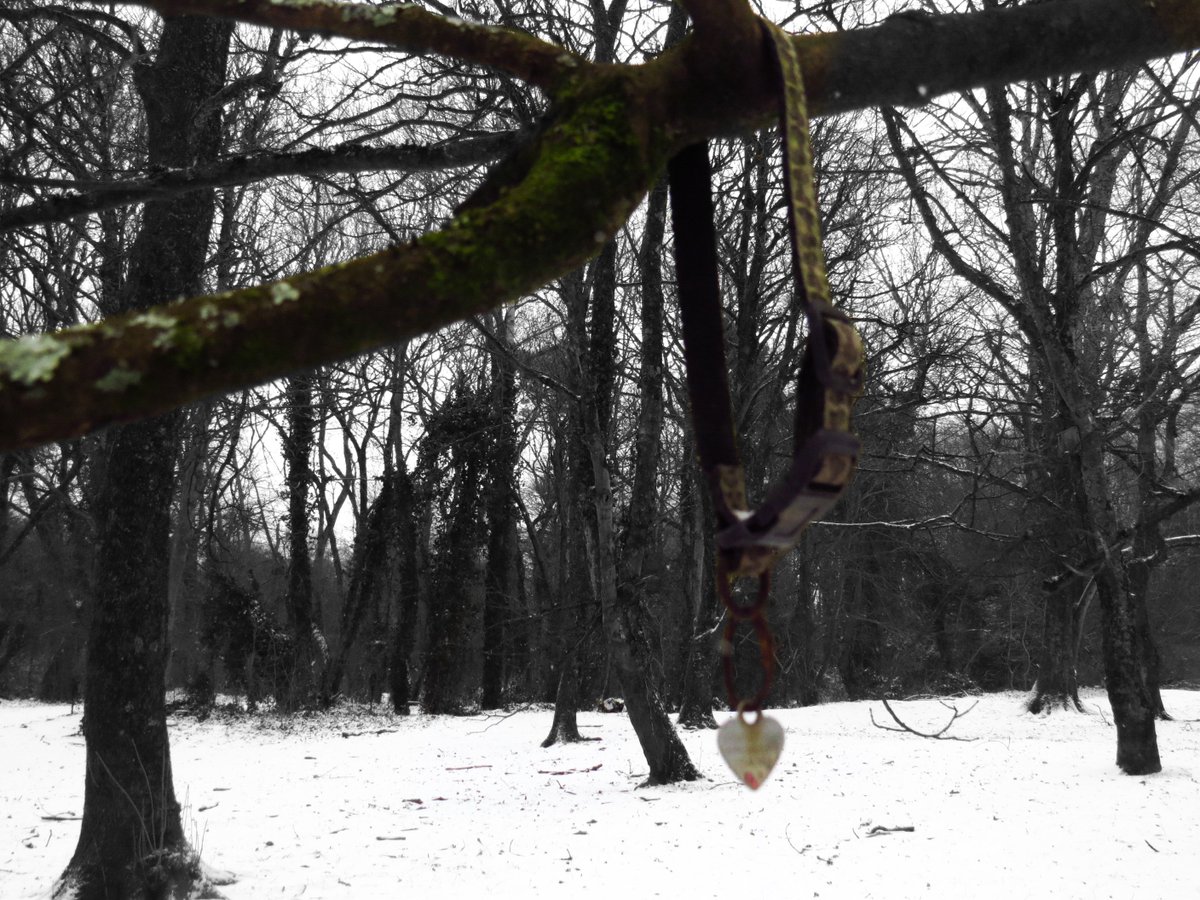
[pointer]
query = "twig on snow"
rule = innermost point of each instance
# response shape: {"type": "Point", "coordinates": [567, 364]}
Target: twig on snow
{"type": "Point", "coordinates": [885, 829]}
{"type": "Point", "coordinates": [570, 771]}
{"type": "Point", "coordinates": [937, 735]}
{"type": "Point", "coordinates": [350, 734]}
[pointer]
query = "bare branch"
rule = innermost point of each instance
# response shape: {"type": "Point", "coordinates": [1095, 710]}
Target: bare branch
{"type": "Point", "coordinates": [937, 735]}
{"type": "Point", "coordinates": [245, 169]}
{"type": "Point", "coordinates": [404, 26]}
{"type": "Point", "coordinates": [75, 19]}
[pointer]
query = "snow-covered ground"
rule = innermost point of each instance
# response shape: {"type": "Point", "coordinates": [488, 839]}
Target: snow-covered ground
{"type": "Point", "coordinates": [364, 805]}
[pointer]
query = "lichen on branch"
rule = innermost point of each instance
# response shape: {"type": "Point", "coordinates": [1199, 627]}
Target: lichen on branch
{"type": "Point", "coordinates": [611, 131]}
{"type": "Point", "coordinates": [590, 167]}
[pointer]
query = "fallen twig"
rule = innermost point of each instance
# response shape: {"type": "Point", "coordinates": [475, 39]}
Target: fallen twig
{"type": "Point", "coordinates": [348, 734]}
{"type": "Point", "coordinates": [464, 768]}
{"type": "Point", "coordinates": [570, 771]}
{"type": "Point", "coordinates": [502, 717]}
{"type": "Point", "coordinates": [886, 829]}
{"type": "Point", "coordinates": [938, 735]}
{"type": "Point", "coordinates": [788, 838]}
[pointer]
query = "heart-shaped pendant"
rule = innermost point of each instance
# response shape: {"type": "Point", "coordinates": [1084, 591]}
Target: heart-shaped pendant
{"type": "Point", "coordinates": [751, 748]}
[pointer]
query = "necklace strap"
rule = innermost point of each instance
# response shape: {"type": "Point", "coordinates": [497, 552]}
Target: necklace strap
{"type": "Point", "coordinates": [825, 450]}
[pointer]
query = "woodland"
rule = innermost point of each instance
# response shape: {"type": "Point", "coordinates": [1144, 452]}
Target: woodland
{"type": "Point", "coordinates": [342, 361]}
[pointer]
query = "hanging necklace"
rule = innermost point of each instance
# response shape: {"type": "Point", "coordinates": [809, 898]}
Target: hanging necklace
{"type": "Point", "coordinates": [825, 453]}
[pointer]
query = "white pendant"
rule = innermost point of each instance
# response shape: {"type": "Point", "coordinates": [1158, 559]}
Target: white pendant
{"type": "Point", "coordinates": [751, 748]}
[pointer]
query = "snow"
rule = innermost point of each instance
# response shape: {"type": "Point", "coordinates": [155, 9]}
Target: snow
{"type": "Point", "coordinates": [362, 804]}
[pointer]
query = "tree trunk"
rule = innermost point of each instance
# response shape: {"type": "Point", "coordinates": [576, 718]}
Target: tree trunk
{"type": "Point", "coordinates": [628, 647]}
{"type": "Point", "coordinates": [405, 615]}
{"type": "Point", "coordinates": [1057, 682]}
{"type": "Point", "coordinates": [564, 727]}
{"type": "Point", "coordinates": [576, 629]}
{"type": "Point", "coordinates": [131, 840]}
{"type": "Point", "coordinates": [12, 642]}
{"type": "Point", "coordinates": [1123, 636]}
{"type": "Point", "coordinates": [308, 644]}
{"type": "Point", "coordinates": [1132, 705]}
{"type": "Point", "coordinates": [862, 635]}
{"type": "Point", "coordinates": [668, 758]}
{"type": "Point", "coordinates": [802, 673]}
{"type": "Point", "coordinates": [377, 531]}
{"type": "Point", "coordinates": [450, 646]}
{"type": "Point", "coordinates": [184, 663]}
{"type": "Point", "coordinates": [443, 682]}
{"type": "Point", "coordinates": [1149, 549]}
{"type": "Point", "coordinates": [1057, 308]}
{"type": "Point", "coordinates": [1139, 572]}
{"type": "Point", "coordinates": [575, 613]}
{"type": "Point", "coordinates": [696, 709]}
{"type": "Point", "coordinates": [1051, 475]}
{"type": "Point", "coordinates": [499, 580]}
{"type": "Point", "coordinates": [61, 681]}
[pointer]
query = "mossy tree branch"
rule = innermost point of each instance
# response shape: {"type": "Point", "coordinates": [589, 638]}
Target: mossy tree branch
{"type": "Point", "coordinates": [591, 170]}
{"type": "Point", "coordinates": [612, 129]}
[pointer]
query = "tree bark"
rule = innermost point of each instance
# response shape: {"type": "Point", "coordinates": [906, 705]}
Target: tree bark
{"type": "Point", "coordinates": [307, 663]}
{"type": "Point", "coordinates": [499, 580]}
{"type": "Point", "coordinates": [131, 841]}
{"type": "Point", "coordinates": [804, 686]}
{"type": "Point", "coordinates": [449, 648]}
{"type": "Point", "coordinates": [1057, 684]}
{"type": "Point", "coordinates": [368, 569]}
{"type": "Point", "coordinates": [668, 758]}
{"type": "Point", "coordinates": [696, 708]}
{"type": "Point", "coordinates": [408, 588]}
{"type": "Point", "coordinates": [576, 610]}
{"type": "Point", "coordinates": [184, 665]}
{"type": "Point", "coordinates": [624, 628]}
{"type": "Point", "coordinates": [1122, 629]}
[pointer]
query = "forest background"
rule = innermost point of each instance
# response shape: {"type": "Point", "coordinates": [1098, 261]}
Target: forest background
{"type": "Point", "coordinates": [426, 521]}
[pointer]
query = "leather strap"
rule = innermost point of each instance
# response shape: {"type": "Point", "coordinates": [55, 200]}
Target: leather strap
{"type": "Point", "coordinates": [830, 379]}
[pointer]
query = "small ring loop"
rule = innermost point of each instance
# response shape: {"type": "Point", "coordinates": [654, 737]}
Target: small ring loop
{"type": "Point", "coordinates": [741, 714]}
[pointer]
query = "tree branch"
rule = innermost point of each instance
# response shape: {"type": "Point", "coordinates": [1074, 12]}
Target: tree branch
{"type": "Point", "coordinates": [74, 19]}
{"type": "Point", "coordinates": [245, 169]}
{"type": "Point", "coordinates": [609, 135]}
{"type": "Point", "coordinates": [591, 167]}
{"type": "Point", "coordinates": [403, 26]}
{"type": "Point", "coordinates": [937, 735]}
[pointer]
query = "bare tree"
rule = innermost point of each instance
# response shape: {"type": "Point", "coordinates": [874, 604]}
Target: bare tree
{"type": "Point", "coordinates": [1055, 151]}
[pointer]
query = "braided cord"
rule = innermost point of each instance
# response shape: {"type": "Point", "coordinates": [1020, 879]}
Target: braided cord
{"type": "Point", "coordinates": [830, 382]}
{"type": "Point", "coordinates": [808, 255]}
